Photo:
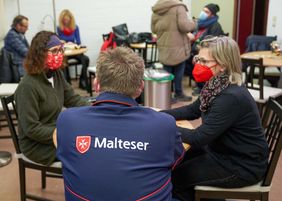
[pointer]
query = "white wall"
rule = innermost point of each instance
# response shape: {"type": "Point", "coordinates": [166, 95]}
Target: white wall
{"type": "Point", "coordinates": [2, 23]}
{"type": "Point", "coordinates": [274, 24]}
{"type": "Point", "coordinates": [94, 17]}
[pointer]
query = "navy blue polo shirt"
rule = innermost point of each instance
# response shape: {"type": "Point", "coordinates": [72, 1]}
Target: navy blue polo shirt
{"type": "Point", "coordinates": [117, 150]}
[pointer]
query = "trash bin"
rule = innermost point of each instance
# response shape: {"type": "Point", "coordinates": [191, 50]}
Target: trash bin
{"type": "Point", "coordinates": [157, 88]}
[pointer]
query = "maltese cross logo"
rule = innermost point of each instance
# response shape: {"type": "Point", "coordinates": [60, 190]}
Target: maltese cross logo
{"type": "Point", "coordinates": [83, 143]}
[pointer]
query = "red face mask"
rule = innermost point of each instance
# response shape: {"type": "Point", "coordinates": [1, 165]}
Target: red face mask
{"type": "Point", "coordinates": [54, 61]}
{"type": "Point", "coordinates": [68, 31]}
{"type": "Point", "coordinates": [202, 73]}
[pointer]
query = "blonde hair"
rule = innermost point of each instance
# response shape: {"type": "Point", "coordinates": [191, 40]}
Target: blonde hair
{"type": "Point", "coordinates": [64, 13]}
{"type": "Point", "coordinates": [227, 54]}
{"type": "Point", "coordinates": [120, 70]}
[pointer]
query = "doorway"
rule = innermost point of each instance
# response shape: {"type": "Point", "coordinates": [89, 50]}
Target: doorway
{"type": "Point", "coordinates": [251, 18]}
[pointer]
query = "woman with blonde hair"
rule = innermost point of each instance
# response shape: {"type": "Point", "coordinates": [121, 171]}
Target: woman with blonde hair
{"type": "Point", "coordinates": [68, 31]}
{"type": "Point", "coordinates": [229, 148]}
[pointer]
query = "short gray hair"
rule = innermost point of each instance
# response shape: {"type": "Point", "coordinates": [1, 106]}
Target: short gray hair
{"type": "Point", "coordinates": [120, 70]}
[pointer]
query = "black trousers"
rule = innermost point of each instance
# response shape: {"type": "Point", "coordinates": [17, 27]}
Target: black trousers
{"type": "Point", "coordinates": [199, 168]}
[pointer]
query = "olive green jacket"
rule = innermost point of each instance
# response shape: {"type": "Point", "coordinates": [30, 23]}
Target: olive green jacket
{"type": "Point", "coordinates": [38, 105]}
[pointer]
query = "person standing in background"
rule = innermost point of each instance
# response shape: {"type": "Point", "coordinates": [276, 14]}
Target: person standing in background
{"type": "Point", "coordinates": [207, 25]}
{"type": "Point", "coordinates": [171, 24]}
{"type": "Point", "coordinates": [16, 43]}
{"type": "Point", "coordinates": [68, 31]}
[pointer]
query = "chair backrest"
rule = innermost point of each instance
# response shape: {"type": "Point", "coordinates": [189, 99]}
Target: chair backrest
{"type": "Point", "coordinates": [152, 48]}
{"type": "Point", "coordinates": [259, 43]}
{"type": "Point", "coordinates": [249, 68]}
{"type": "Point", "coordinates": [272, 122]}
{"type": "Point", "coordinates": [9, 107]}
{"type": "Point", "coordinates": [106, 36]}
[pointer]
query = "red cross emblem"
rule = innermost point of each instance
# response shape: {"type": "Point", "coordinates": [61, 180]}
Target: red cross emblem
{"type": "Point", "coordinates": [83, 143]}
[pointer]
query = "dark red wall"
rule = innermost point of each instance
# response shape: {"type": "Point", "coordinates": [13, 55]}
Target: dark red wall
{"type": "Point", "coordinates": [245, 19]}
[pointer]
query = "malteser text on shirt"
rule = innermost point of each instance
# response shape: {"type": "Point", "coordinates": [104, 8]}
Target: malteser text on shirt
{"type": "Point", "coordinates": [116, 143]}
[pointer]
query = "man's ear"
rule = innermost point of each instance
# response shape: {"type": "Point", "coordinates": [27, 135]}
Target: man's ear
{"type": "Point", "coordinates": [139, 91]}
{"type": "Point", "coordinates": [96, 85]}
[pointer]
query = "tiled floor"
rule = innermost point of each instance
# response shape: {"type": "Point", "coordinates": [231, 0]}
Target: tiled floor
{"type": "Point", "coordinates": [9, 176]}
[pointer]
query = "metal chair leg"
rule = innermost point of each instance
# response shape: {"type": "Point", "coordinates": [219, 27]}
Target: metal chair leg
{"type": "Point", "coordinates": [75, 72]}
{"type": "Point", "coordinates": [90, 84]}
{"type": "Point", "coordinates": [43, 179]}
{"type": "Point", "coordinates": [22, 181]}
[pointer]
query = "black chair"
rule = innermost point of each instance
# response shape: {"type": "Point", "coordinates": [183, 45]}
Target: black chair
{"type": "Point", "coordinates": [263, 43]}
{"type": "Point", "coordinates": [151, 50]}
{"type": "Point", "coordinates": [54, 170]}
{"type": "Point", "coordinates": [73, 62]}
{"type": "Point", "coordinates": [105, 36]}
{"type": "Point", "coordinates": [259, 43]}
{"type": "Point", "coordinates": [92, 73]}
{"type": "Point", "coordinates": [272, 122]}
{"type": "Point", "coordinates": [254, 81]}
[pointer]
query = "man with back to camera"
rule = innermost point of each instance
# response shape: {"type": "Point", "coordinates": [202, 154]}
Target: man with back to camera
{"type": "Point", "coordinates": [116, 149]}
{"type": "Point", "coordinates": [16, 43]}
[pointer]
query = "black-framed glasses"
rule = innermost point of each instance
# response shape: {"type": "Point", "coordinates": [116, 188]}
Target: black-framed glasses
{"type": "Point", "coordinates": [56, 51]}
{"type": "Point", "coordinates": [202, 61]}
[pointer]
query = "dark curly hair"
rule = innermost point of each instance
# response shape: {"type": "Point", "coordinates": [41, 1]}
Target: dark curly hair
{"type": "Point", "coordinates": [34, 62]}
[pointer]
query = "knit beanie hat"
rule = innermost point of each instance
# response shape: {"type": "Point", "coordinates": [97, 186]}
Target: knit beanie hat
{"type": "Point", "coordinates": [214, 8]}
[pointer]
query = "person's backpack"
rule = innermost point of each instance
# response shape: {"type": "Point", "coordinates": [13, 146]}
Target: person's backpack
{"type": "Point", "coordinates": [9, 72]}
{"type": "Point", "coordinates": [144, 36]}
{"type": "Point", "coordinates": [140, 37]}
{"type": "Point", "coordinates": [121, 35]}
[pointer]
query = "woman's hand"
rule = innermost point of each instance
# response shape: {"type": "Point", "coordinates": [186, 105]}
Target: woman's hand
{"type": "Point", "coordinates": [191, 36]}
{"type": "Point", "coordinates": [55, 137]}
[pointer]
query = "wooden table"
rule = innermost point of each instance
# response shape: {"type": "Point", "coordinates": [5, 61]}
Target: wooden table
{"type": "Point", "coordinates": [269, 58]}
{"type": "Point", "coordinates": [185, 124]}
{"type": "Point", "coordinates": [181, 123]}
{"type": "Point", "coordinates": [138, 45]}
{"type": "Point", "coordinates": [74, 52]}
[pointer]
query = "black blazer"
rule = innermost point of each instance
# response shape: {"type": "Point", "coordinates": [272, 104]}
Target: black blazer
{"type": "Point", "coordinates": [231, 131]}
{"type": "Point", "coordinates": [9, 72]}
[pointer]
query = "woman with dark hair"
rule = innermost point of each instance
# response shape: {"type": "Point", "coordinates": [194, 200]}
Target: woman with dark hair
{"type": "Point", "coordinates": [41, 96]}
